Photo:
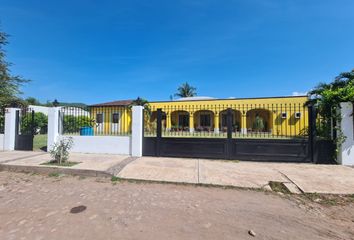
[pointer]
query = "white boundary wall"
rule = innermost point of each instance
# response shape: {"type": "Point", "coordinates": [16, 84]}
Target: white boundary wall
{"type": "Point", "coordinates": [53, 126]}
{"type": "Point", "coordinates": [131, 145]}
{"type": "Point", "coordinates": [137, 130]}
{"type": "Point", "coordinates": [346, 151]}
{"type": "Point", "coordinates": [10, 129]}
{"type": "Point", "coordinates": [101, 144]}
{"type": "Point", "coordinates": [2, 136]}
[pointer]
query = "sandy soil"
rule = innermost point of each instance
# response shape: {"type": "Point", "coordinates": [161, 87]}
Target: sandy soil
{"type": "Point", "coordinates": [39, 207]}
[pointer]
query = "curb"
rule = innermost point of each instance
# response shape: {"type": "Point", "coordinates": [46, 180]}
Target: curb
{"type": "Point", "coordinates": [56, 170]}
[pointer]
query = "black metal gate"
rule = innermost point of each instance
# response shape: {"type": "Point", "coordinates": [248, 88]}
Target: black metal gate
{"type": "Point", "coordinates": [294, 149]}
{"type": "Point", "coordinates": [24, 131]}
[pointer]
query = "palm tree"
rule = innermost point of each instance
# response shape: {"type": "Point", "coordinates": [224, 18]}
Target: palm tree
{"type": "Point", "coordinates": [141, 102]}
{"type": "Point", "coordinates": [148, 125]}
{"type": "Point", "coordinates": [186, 90]}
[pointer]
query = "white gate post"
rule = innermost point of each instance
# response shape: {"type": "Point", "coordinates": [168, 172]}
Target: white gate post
{"type": "Point", "coordinates": [346, 150]}
{"type": "Point", "coordinates": [137, 131]}
{"type": "Point", "coordinates": [10, 129]}
{"type": "Point", "coordinates": [53, 126]}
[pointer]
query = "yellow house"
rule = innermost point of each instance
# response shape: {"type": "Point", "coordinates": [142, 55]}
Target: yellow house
{"type": "Point", "coordinates": [276, 116]}
{"type": "Point", "coordinates": [112, 118]}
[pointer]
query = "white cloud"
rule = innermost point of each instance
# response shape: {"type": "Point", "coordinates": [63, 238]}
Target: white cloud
{"type": "Point", "coordinates": [299, 93]}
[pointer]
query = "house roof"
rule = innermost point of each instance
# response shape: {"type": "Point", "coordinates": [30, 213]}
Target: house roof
{"type": "Point", "coordinates": [114, 103]}
{"type": "Point", "coordinates": [128, 102]}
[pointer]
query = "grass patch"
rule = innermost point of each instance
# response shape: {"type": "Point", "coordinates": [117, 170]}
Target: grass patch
{"type": "Point", "coordinates": [115, 179]}
{"type": "Point", "coordinates": [40, 142]}
{"type": "Point", "coordinates": [55, 174]}
{"type": "Point", "coordinates": [231, 161]}
{"type": "Point", "coordinates": [330, 199]}
{"type": "Point", "coordinates": [351, 197]}
{"type": "Point", "coordinates": [64, 164]}
{"type": "Point", "coordinates": [279, 187]}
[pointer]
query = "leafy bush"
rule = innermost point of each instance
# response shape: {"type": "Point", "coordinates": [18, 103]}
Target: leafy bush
{"type": "Point", "coordinates": [258, 124]}
{"type": "Point", "coordinates": [2, 122]}
{"type": "Point", "coordinates": [326, 97]}
{"type": "Point", "coordinates": [236, 126]}
{"type": "Point", "coordinates": [60, 150]}
{"type": "Point", "coordinates": [73, 124]}
{"type": "Point", "coordinates": [40, 123]}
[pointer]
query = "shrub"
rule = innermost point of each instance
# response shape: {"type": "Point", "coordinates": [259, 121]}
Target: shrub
{"type": "Point", "coordinates": [60, 150]}
{"type": "Point", "coordinates": [40, 123]}
{"type": "Point", "coordinates": [258, 124]}
{"type": "Point", "coordinates": [72, 124]}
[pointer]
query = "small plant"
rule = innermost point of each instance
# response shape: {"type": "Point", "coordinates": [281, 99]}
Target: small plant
{"type": "Point", "coordinates": [114, 179]}
{"type": "Point", "coordinates": [258, 124]}
{"type": "Point", "coordinates": [60, 150]}
{"type": "Point", "coordinates": [54, 174]}
{"type": "Point", "coordinates": [279, 187]}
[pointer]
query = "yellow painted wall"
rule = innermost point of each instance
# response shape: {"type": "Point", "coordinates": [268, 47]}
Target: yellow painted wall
{"type": "Point", "coordinates": [275, 107]}
{"type": "Point", "coordinates": [245, 112]}
{"type": "Point", "coordinates": [107, 128]}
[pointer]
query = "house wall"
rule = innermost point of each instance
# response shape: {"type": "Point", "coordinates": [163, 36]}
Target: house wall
{"type": "Point", "coordinates": [275, 107]}
{"type": "Point", "coordinates": [101, 144]}
{"type": "Point", "coordinates": [270, 109]}
{"type": "Point", "coordinates": [108, 127]}
{"type": "Point", "coordinates": [2, 142]}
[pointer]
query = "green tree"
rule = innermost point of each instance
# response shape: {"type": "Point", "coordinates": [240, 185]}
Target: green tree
{"type": "Point", "coordinates": [186, 90]}
{"type": "Point", "coordinates": [327, 98]}
{"type": "Point", "coordinates": [39, 124]}
{"type": "Point", "coordinates": [32, 101]}
{"type": "Point", "coordinates": [147, 112]}
{"type": "Point", "coordinates": [9, 84]}
{"type": "Point", "coordinates": [141, 102]}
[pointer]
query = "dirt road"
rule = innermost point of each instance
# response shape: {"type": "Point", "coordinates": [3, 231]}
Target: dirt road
{"type": "Point", "coordinates": [41, 207]}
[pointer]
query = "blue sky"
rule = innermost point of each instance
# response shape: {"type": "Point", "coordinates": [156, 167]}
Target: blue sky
{"type": "Point", "coordinates": [96, 51]}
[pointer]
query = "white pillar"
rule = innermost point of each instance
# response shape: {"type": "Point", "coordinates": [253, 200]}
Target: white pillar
{"type": "Point", "coordinates": [10, 129]}
{"type": "Point", "coordinates": [53, 126]}
{"type": "Point", "coordinates": [346, 150]}
{"type": "Point", "coordinates": [137, 131]}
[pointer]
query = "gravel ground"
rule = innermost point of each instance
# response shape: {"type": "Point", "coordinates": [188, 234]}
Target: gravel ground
{"type": "Point", "coordinates": [43, 207]}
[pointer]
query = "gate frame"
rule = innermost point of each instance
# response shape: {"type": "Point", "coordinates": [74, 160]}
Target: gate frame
{"type": "Point", "coordinates": [23, 141]}
{"type": "Point", "coordinates": [231, 146]}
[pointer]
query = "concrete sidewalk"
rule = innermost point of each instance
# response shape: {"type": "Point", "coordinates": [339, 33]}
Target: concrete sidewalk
{"type": "Point", "coordinates": [89, 164]}
{"type": "Point", "coordinates": [308, 178]}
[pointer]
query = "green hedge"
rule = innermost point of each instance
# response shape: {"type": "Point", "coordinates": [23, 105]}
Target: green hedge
{"type": "Point", "coordinates": [72, 124]}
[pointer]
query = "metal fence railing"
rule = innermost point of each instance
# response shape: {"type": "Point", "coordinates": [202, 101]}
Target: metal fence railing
{"type": "Point", "coordinates": [248, 120]}
{"type": "Point", "coordinates": [95, 121]}
{"type": "Point", "coordinates": [28, 123]}
{"type": "Point", "coordinates": [326, 127]}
